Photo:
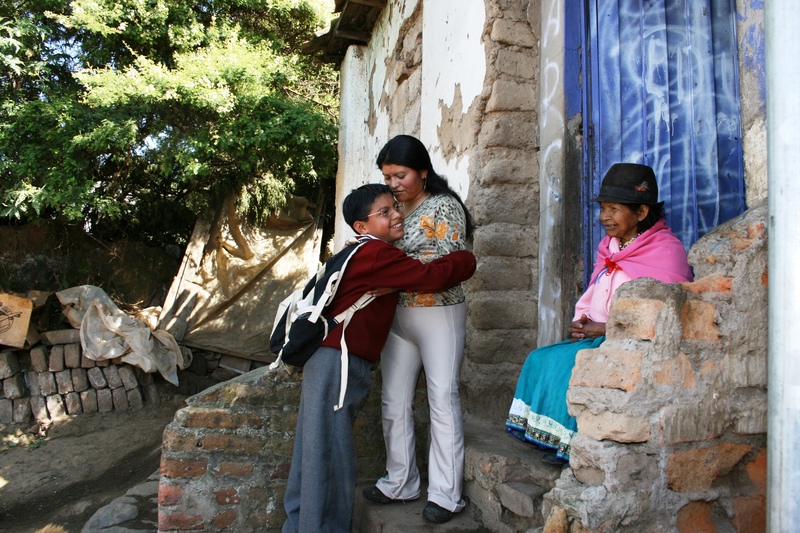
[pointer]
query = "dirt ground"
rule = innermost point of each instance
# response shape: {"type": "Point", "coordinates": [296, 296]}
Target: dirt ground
{"type": "Point", "coordinates": [83, 464]}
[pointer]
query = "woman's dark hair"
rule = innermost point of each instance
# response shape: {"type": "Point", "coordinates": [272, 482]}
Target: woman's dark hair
{"type": "Point", "coordinates": [409, 151]}
{"type": "Point", "coordinates": [357, 204]}
{"type": "Point", "coordinates": [656, 213]}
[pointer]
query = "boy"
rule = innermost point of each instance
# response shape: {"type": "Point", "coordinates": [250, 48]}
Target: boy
{"type": "Point", "coordinates": [321, 488]}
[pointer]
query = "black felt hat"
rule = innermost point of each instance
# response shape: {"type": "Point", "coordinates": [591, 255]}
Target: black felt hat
{"type": "Point", "coordinates": [629, 183]}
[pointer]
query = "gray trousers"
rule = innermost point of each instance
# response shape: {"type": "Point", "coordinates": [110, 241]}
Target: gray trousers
{"type": "Point", "coordinates": [322, 478]}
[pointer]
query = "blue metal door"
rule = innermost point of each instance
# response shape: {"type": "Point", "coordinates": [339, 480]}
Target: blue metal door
{"type": "Point", "coordinates": [661, 87]}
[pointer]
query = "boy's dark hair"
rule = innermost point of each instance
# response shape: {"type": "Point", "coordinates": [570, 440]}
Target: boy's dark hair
{"type": "Point", "coordinates": [409, 151]}
{"type": "Point", "coordinates": [357, 204]}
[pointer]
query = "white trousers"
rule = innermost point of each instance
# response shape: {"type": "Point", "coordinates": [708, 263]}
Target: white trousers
{"type": "Point", "coordinates": [431, 338]}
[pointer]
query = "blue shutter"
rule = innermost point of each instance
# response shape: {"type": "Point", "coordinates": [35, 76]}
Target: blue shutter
{"type": "Point", "coordinates": [662, 88]}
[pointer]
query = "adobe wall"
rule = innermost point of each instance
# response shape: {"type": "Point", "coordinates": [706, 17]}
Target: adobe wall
{"type": "Point", "coordinates": [672, 408]}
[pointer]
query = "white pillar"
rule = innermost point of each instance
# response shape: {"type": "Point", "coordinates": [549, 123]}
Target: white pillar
{"type": "Point", "coordinates": [782, 18]}
{"type": "Point", "coordinates": [552, 138]}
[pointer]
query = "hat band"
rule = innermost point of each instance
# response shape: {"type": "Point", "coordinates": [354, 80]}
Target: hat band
{"type": "Point", "coordinates": [610, 191]}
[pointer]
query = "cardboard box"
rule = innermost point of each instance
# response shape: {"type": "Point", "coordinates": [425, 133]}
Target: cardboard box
{"type": "Point", "coordinates": [15, 316]}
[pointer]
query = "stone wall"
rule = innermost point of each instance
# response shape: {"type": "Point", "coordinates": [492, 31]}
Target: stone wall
{"type": "Point", "coordinates": [51, 257]}
{"type": "Point", "coordinates": [226, 456]}
{"type": "Point", "coordinates": [672, 408]}
{"type": "Point", "coordinates": [504, 191]}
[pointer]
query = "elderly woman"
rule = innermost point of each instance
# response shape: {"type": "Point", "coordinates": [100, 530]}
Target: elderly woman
{"type": "Point", "coordinates": [638, 244]}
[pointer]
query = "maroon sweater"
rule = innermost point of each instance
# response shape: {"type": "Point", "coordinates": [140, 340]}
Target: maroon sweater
{"type": "Point", "coordinates": [379, 264]}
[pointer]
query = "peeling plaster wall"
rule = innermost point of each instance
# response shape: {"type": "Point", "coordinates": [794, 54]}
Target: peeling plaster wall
{"type": "Point", "coordinates": [452, 33]}
{"type": "Point", "coordinates": [364, 117]}
{"type": "Point", "coordinates": [415, 85]}
{"type": "Point", "coordinates": [753, 90]}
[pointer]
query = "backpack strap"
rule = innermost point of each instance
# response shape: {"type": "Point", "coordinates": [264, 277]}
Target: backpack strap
{"type": "Point", "coordinates": [333, 283]}
{"type": "Point", "coordinates": [346, 315]}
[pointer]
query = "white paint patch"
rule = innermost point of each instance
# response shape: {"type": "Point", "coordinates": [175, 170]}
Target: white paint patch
{"type": "Point", "coordinates": [452, 55]}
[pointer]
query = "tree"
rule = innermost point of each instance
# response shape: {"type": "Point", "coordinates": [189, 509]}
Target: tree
{"type": "Point", "coordinates": [134, 117]}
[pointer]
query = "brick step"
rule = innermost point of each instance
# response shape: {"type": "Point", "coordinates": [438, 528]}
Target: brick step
{"type": "Point", "coordinates": [504, 481]}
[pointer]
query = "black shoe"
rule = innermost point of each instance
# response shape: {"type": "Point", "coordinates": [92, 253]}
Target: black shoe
{"type": "Point", "coordinates": [554, 460]}
{"type": "Point", "coordinates": [374, 494]}
{"type": "Point", "coordinates": [436, 514]}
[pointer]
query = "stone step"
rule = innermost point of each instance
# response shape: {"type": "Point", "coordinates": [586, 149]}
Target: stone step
{"type": "Point", "coordinates": [504, 481]}
{"type": "Point", "coordinates": [371, 517]}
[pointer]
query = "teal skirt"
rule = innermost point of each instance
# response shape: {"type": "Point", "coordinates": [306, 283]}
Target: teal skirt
{"type": "Point", "coordinates": [538, 413]}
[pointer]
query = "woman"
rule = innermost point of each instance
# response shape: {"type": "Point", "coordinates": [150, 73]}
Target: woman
{"type": "Point", "coordinates": [427, 332]}
{"type": "Point", "coordinates": [638, 243]}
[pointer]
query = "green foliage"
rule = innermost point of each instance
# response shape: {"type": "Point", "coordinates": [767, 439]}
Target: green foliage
{"type": "Point", "coordinates": [136, 116]}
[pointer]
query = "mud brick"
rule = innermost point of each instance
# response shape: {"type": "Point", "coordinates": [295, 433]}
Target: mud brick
{"type": "Point", "coordinates": [56, 361]}
{"type": "Point", "coordinates": [39, 359]}
{"type": "Point", "coordinates": [14, 387]}
{"type": "Point", "coordinates": [9, 364]}
{"type": "Point", "coordinates": [86, 362]}
{"type": "Point", "coordinates": [6, 411]}
{"type": "Point", "coordinates": [64, 381]}
{"type": "Point", "coordinates": [72, 401]}
{"type": "Point", "coordinates": [80, 381]}
{"type": "Point", "coordinates": [47, 383]}
{"type": "Point", "coordinates": [135, 400]}
{"type": "Point", "coordinates": [104, 401]}
{"type": "Point", "coordinates": [39, 409]}
{"type": "Point", "coordinates": [61, 336]}
{"type": "Point", "coordinates": [72, 355]}
{"type": "Point", "coordinates": [89, 401]}
{"type": "Point", "coordinates": [128, 376]}
{"type": "Point", "coordinates": [112, 376]}
{"type": "Point", "coordinates": [120, 397]}
{"type": "Point", "coordinates": [96, 378]}
{"type": "Point", "coordinates": [148, 385]}
{"type": "Point", "coordinates": [24, 358]}
{"type": "Point", "coordinates": [55, 406]}
{"type": "Point", "coordinates": [22, 410]}
{"type": "Point", "coordinates": [32, 381]}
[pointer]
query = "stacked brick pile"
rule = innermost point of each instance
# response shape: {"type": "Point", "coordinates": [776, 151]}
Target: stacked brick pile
{"type": "Point", "coordinates": [51, 381]}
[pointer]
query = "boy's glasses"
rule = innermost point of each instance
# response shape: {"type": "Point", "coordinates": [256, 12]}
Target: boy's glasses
{"type": "Point", "coordinates": [387, 211]}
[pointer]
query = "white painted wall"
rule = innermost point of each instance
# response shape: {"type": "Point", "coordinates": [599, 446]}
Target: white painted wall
{"type": "Point", "coordinates": [452, 55]}
{"type": "Point", "coordinates": [354, 150]}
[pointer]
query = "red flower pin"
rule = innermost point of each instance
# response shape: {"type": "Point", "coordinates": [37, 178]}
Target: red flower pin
{"type": "Point", "coordinates": [611, 266]}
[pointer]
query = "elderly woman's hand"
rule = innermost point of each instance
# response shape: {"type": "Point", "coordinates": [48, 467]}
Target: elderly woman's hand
{"type": "Point", "coordinates": [584, 328]}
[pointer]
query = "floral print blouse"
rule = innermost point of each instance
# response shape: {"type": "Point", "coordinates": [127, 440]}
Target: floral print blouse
{"type": "Point", "coordinates": [434, 229]}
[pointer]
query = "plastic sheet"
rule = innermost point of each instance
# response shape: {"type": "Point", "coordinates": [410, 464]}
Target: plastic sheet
{"type": "Point", "coordinates": [107, 332]}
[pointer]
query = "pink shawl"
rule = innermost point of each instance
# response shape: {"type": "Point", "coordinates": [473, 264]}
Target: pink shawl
{"type": "Point", "coordinates": [657, 253]}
